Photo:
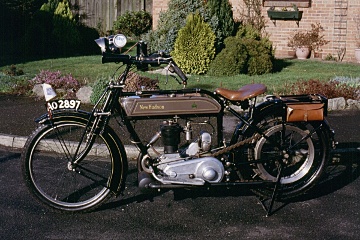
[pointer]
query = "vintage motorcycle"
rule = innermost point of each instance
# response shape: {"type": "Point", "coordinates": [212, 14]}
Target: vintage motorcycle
{"type": "Point", "coordinates": [75, 160]}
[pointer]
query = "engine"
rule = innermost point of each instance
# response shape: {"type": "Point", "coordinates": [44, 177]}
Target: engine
{"type": "Point", "coordinates": [191, 164]}
{"type": "Point", "coordinates": [195, 171]}
{"type": "Point", "coordinates": [170, 133]}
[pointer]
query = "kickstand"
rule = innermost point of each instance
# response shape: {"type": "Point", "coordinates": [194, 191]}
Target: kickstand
{"type": "Point", "coordinates": [269, 208]}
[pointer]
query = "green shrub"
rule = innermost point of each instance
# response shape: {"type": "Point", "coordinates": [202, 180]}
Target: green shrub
{"type": "Point", "coordinates": [258, 65]}
{"type": "Point", "coordinates": [134, 82]}
{"type": "Point", "coordinates": [65, 30]}
{"type": "Point", "coordinates": [248, 53]}
{"type": "Point", "coordinates": [133, 24]}
{"type": "Point", "coordinates": [14, 84]}
{"type": "Point", "coordinates": [222, 21]}
{"type": "Point", "coordinates": [50, 6]}
{"type": "Point", "coordinates": [171, 21]}
{"type": "Point", "coordinates": [195, 45]}
{"type": "Point", "coordinates": [54, 31]}
{"type": "Point", "coordinates": [14, 71]}
{"type": "Point", "coordinates": [350, 81]}
{"type": "Point", "coordinates": [59, 82]}
{"type": "Point", "coordinates": [248, 32]}
{"type": "Point", "coordinates": [260, 59]}
{"type": "Point", "coordinates": [98, 89]}
{"type": "Point", "coordinates": [330, 89]}
{"type": "Point", "coordinates": [13, 80]}
{"type": "Point", "coordinates": [218, 14]}
{"type": "Point", "coordinates": [231, 60]}
{"type": "Point", "coordinates": [259, 48]}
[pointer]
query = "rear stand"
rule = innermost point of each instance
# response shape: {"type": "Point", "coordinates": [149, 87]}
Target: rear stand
{"type": "Point", "coordinates": [269, 208]}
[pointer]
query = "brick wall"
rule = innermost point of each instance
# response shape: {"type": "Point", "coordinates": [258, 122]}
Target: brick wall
{"type": "Point", "coordinates": [342, 35]}
{"type": "Point", "coordinates": [158, 6]}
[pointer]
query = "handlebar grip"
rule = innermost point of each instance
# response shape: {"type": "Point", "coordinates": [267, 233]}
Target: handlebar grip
{"type": "Point", "coordinates": [111, 57]}
{"type": "Point", "coordinates": [180, 73]}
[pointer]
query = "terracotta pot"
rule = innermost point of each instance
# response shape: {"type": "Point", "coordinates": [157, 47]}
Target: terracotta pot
{"type": "Point", "coordinates": [357, 54]}
{"type": "Point", "coordinates": [302, 52]}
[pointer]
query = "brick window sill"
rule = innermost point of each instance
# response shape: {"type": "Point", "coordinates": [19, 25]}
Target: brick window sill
{"type": "Point", "coordinates": [286, 3]}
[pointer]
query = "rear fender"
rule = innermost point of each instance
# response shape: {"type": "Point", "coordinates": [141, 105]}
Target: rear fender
{"type": "Point", "coordinates": [275, 106]}
{"type": "Point", "coordinates": [258, 111]}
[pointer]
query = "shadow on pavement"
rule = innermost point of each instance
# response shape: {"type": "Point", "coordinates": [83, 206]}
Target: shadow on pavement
{"type": "Point", "coordinates": [343, 170]}
{"type": "Point", "coordinates": [8, 156]}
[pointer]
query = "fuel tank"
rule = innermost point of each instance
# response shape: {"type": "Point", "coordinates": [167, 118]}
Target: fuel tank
{"type": "Point", "coordinates": [159, 105]}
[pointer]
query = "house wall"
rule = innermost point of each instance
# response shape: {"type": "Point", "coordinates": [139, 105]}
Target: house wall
{"type": "Point", "coordinates": [335, 16]}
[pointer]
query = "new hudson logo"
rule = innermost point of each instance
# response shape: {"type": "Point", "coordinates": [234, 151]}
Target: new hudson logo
{"type": "Point", "coordinates": [152, 107]}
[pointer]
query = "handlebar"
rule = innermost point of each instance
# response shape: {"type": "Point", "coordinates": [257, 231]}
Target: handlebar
{"type": "Point", "coordinates": [111, 57]}
{"type": "Point", "coordinates": [154, 59]}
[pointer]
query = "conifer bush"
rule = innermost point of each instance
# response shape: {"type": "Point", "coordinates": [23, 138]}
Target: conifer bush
{"type": "Point", "coordinates": [194, 46]}
{"type": "Point", "coordinates": [171, 21]}
{"type": "Point", "coordinates": [260, 59]}
{"type": "Point", "coordinates": [221, 21]}
{"type": "Point", "coordinates": [231, 60]}
{"type": "Point", "coordinates": [65, 29]}
{"type": "Point", "coordinates": [248, 53]}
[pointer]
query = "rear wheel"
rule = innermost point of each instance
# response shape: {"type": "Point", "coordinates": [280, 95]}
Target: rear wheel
{"type": "Point", "coordinates": [68, 179]}
{"type": "Point", "coordinates": [301, 149]}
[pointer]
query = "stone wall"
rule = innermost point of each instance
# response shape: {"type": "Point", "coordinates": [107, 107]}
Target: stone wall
{"type": "Point", "coordinates": [336, 16]}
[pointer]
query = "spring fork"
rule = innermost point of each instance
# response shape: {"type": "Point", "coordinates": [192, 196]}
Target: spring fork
{"type": "Point", "coordinates": [61, 140]}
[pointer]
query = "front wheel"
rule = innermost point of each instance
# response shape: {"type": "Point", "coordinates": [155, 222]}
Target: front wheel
{"type": "Point", "coordinates": [69, 176]}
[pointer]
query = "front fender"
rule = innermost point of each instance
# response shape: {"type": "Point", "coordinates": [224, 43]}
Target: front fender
{"type": "Point", "coordinates": [62, 114]}
{"type": "Point", "coordinates": [117, 148]}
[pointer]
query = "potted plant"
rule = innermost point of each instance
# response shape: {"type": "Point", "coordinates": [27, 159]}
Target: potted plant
{"type": "Point", "coordinates": [284, 14]}
{"type": "Point", "coordinates": [303, 42]}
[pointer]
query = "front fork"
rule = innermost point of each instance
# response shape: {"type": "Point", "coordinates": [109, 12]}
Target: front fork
{"type": "Point", "coordinates": [96, 124]}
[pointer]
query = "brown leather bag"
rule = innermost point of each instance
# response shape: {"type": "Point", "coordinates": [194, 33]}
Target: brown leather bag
{"type": "Point", "coordinates": [305, 112]}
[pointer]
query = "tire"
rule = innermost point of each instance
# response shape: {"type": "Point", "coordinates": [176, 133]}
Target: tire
{"type": "Point", "coordinates": [80, 187]}
{"type": "Point", "coordinates": [303, 165]}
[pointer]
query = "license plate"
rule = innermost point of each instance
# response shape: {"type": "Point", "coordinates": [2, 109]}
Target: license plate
{"type": "Point", "coordinates": [64, 104]}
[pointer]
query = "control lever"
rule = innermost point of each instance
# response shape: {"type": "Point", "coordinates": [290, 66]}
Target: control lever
{"type": "Point", "coordinates": [174, 68]}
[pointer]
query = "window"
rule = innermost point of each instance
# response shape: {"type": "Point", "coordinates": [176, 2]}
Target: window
{"type": "Point", "coordinates": [286, 3]}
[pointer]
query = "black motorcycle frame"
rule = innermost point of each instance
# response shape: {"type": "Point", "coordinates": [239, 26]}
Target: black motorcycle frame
{"type": "Point", "coordinates": [109, 106]}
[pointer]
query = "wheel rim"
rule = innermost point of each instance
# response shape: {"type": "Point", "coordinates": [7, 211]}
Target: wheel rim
{"type": "Point", "coordinates": [297, 162]}
{"type": "Point", "coordinates": [64, 185]}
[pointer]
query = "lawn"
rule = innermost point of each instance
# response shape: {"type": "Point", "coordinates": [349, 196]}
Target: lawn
{"type": "Point", "coordinates": [87, 69]}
